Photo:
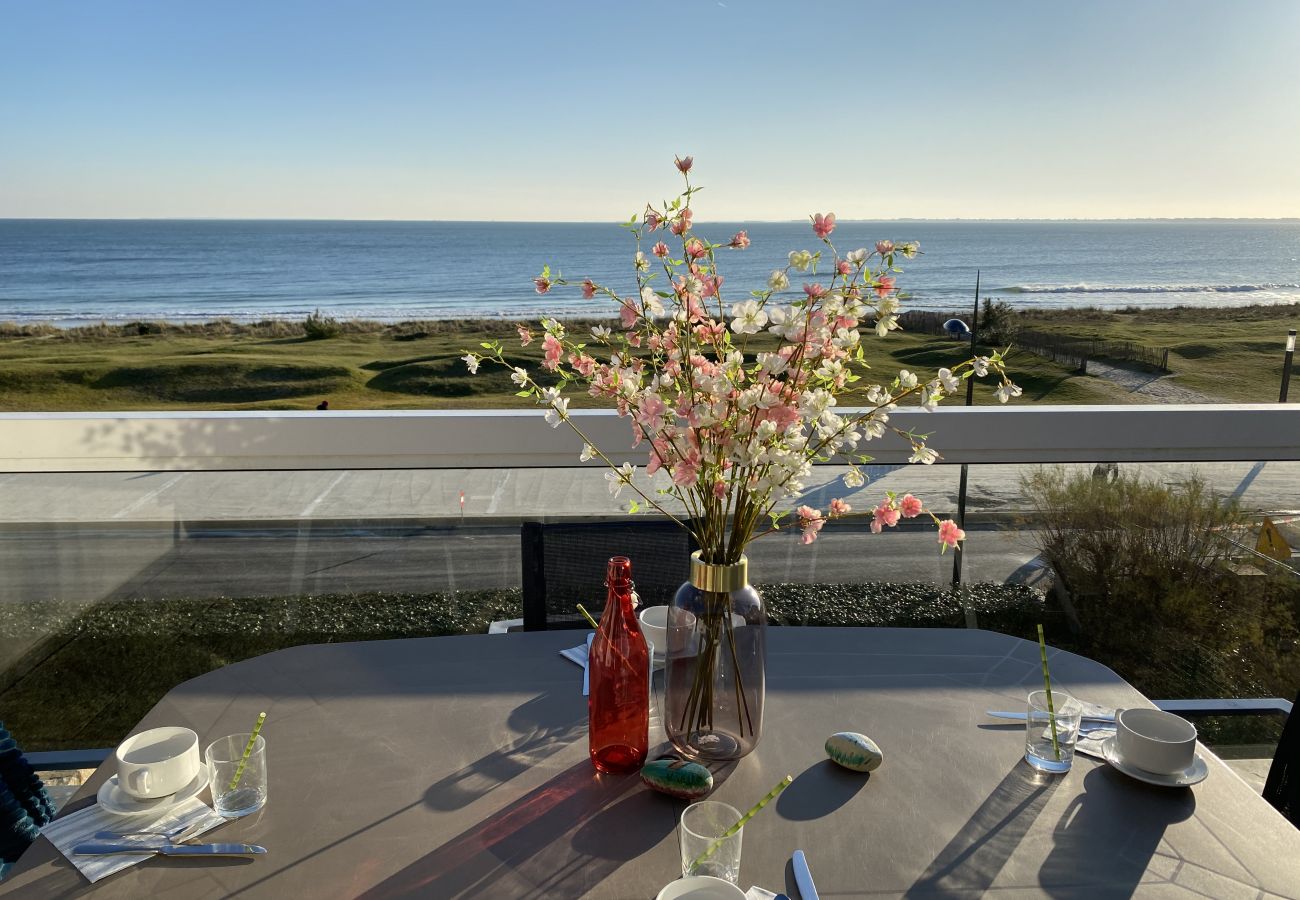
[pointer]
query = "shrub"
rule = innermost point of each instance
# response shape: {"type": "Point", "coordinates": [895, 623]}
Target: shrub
{"type": "Point", "coordinates": [999, 323]}
{"type": "Point", "coordinates": [1157, 593]}
{"type": "Point", "coordinates": [318, 327]}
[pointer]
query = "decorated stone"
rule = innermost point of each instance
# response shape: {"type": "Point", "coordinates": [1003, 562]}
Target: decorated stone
{"type": "Point", "coordinates": [854, 751]}
{"type": "Point", "coordinates": [678, 778]}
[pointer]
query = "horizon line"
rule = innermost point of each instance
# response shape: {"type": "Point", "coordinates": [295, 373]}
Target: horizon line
{"type": "Point", "coordinates": [618, 222]}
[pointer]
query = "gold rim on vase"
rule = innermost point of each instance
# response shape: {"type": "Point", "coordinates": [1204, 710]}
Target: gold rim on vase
{"type": "Point", "coordinates": [717, 578]}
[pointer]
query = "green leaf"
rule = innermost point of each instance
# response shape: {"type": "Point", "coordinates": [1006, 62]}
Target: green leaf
{"type": "Point", "coordinates": [633, 506]}
{"type": "Point", "coordinates": [486, 345]}
{"type": "Point", "coordinates": [523, 393]}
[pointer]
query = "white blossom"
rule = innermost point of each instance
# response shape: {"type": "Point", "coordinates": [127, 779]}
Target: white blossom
{"type": "Point", "coordinates": [800, 260]}
{"type": "Point", "coordinates": [981, 366]}
{"type": "Point", "coordinates": [620, 478]}
{"type": "Point", "coordinates": [519, 376]}
{"type": "Point", "coordinates": [906, 380]}
{"type": "Point", "coordinates": [653, 305]}
{"type": "Point", "coordinates": [748, 317]}
{"type": "Point", "coordinates": [558, 412]}
{"type": "Point", "coordinates": [588, 453]}
{"type": "Point", "coordinates": [600, 332]}
{"type": "Point", "coordinates": [1006, 390]}
{"type": "Point", "coordinates": [472, 361]}
{"type": "Point", "coordinates": [641, 263]}
{"type": "Point", "coordinates": [854, 478]}
{"type": "Point", "coordinates": [949, 381]}
{"type": "Point", "coordinates": [778, 281]}
{"type": "Point", "coordinates": [857, 257]}
{"type": "Point", "coordinates": [923, 454]}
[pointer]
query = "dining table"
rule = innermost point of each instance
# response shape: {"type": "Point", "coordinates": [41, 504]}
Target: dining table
{"type": "Point", "coordinates": [458, 767]}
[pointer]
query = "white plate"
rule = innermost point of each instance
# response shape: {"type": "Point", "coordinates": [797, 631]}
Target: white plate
{"type": "Point", "coordinates": [117, 801]}
{"type": "Point", "coordinates": [1197, 772]}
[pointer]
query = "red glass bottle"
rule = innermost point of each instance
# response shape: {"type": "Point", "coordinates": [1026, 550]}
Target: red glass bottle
{"type": "Point", "coordinates": [618, 701]}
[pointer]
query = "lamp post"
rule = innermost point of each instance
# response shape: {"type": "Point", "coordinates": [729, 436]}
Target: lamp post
{"type": "Point", "coordinates": [1286, 365]}
{"type": "Point", "coordinates": [970, 400]}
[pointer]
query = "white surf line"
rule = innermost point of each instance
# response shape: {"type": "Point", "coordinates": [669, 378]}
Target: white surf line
{"type": "Point", "coordinates": [496, 495]}
{"type": "Point", "coordinates": [145, 498]}
{"type": "Point", "coordinates": [307, 510]}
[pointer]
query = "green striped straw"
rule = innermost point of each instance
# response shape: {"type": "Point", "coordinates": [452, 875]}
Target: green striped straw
{"type": "Point", "coordinates": [1047, 687]}
{"type": "Point", "coordinates": [248, 751]}
{"type": "Point", "coordinates": [734, 829]}
{"type": "Point", "coordinates": [586, 615]}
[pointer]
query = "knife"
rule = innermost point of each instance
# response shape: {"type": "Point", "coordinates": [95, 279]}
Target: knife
{"type": "Point", "coordinates": [803, 877]}
{"type": "Point", "coordinates": [1020, 716]}
{"type": "Point", "coordinates": [105, 849]}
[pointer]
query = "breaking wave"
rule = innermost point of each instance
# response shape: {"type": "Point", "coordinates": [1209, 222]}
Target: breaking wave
{"type": "Point", "coordinates": [1147, 288]}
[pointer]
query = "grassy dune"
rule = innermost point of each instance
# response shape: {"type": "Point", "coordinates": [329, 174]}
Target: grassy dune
{"type": "Point", "coordinates": [1231, 354]}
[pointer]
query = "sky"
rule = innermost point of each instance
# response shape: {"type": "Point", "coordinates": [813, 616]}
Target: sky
{"type": "Point", "coordinates": [573, 111]}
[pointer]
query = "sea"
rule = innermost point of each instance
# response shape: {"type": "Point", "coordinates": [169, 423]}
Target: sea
{"type": "Point", "coordinates": [75, 272]}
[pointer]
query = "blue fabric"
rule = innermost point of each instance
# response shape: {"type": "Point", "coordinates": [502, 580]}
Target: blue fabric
{"type": "Point", "coordinates": [25, 805]}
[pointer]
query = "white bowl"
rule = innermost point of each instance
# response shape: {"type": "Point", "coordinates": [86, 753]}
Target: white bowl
{"type": "Point", "coordinates": [701, 887]}
{"type": "Point", "coordinates": [654, 625]}
{"type": "Point", "coordinates": [1155, 740]}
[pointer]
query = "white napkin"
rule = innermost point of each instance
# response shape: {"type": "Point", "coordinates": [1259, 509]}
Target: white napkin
{"type": "Point", "coordinates": [579, 655]}
{"type": "Point", "coordinates": [80, 828]}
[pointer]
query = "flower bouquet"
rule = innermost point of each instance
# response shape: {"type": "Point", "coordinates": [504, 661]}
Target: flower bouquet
{"type": "Point", "coordinates": [735, 399]}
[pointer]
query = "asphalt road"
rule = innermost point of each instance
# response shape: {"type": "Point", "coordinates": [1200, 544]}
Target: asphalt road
{"type": "Point", "coordinates": [86, 563]}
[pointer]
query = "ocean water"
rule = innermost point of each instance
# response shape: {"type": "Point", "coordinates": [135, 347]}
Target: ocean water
{"type": "Point", "coordinates": [79, 271]}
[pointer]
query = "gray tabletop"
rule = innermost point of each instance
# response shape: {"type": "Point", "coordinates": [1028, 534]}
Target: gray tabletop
{"type": "Point", "coordinates": [450, 767]}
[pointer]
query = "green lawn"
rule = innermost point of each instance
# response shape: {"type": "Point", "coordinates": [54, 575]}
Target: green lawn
{"type": "Point", "coordinates": [369, 366]}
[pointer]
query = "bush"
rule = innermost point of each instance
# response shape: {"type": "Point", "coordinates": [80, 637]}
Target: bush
{"type": "Point", "coordinates": [1157, 594]}
{"type": "Point", "coordinates": [318, 327]}
{"type": "Point", "coordinates": [999, 323]}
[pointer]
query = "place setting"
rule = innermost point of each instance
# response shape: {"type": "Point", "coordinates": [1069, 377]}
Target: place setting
{"type": "Point", "coordinates": [1149, 745]}
{"type": "Point", "coordinates": [153, 805]}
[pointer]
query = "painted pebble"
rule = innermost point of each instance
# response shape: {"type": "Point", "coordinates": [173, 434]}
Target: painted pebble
{"type": "Point", "coordinates": [854, 751]}
{"type": "Point", "coordinates": [678, 778]}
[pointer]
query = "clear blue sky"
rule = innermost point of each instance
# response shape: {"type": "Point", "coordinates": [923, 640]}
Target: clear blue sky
{"type": "Point", "coordinates": [558, 110]}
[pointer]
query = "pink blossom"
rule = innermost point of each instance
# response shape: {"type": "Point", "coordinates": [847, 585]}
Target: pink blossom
{"type": "Point", "coordinates": [682, 223]}
{"type": "Point", "coordinates": [823, 225]}
{"type": "Point", "coordinates": [660, 249]}
{"type": "Point", "coordinates": [660, 455]}
{"type": "Point", "coordinates": [876, 526]}
{"type": "Point", "coordinates": [839, 508]}
{"type": "Point", "coordinates": [814, 290]}
{"type": "Point", "coordinates": [949, 534]}
{"type": "Point", "coordinates": [687, 470]}
{"type": "Point", "coordinates": [884, 248]}
{"type": "Point", "coordinates": [695, 248]}
{"type": "Point", "coordinates": [628, 315]}
{"type": "Point", "coordinates": [588, 289]}
{"type": "Point", "coordinates": [844, 267]}
{"type": "Point", "coordinates": [720, 489]}
{"type": "Point", "coordinates": [739, 240]}
{"type": "Point", "coordinates": [711, 284]}
{"type": "Point", "coordinates": [585, 364]}
{"type": "Point", "coordinates": [542, 284]}
{"type": "Point", "coordinates": [525, 336]}
{"type": "Point", "coordinates": [552, 349]}
{"type": "Point", "coordinates": [811, 521]}
{"type": "Point", "coordinates": [884, 284]}
{"type": "Point", "coordinates": [652, 219]}
{"type": "Point", "coordinates": [684, 165]}
{"type": "Point", "coordinates": [911, 506]}
{"type": "Point", "coordinates": [886, 514]}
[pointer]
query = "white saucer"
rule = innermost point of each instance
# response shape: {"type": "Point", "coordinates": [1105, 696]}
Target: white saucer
{"type": "Point", "coordinates": [1197, 772]}
{"type": "Point", "coordinates": [117, 801]}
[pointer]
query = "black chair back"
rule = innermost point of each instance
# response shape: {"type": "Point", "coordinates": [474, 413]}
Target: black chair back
{"type": "Point", "coordinates": [1282, 789]}
{"type": "Point", "coordinates": [564, 565]}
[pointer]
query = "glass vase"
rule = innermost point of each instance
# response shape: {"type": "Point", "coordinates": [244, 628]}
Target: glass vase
{"type": "Point", "coordinates": [715, 669]}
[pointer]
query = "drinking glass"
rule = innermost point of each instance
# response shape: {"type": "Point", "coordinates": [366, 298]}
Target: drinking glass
{"type": "Point", "coordinates": [1040, 751]}
{"type": "Point", "coordinates": [233, 799]}
{"type": "Point", "coordinates": [700, 829]}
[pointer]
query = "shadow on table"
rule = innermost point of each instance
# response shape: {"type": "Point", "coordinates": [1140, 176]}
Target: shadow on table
{"type": "Point", "coordinates": [1111, 831]}
{"type": "Point", "coordinates": [542, 724]}
{"type": "Point", "coordinates": [976, 854]}
{"type": "Point", "coordinates": [558, 840]}
{"type": "Point", "coordinates": [818, 791]}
